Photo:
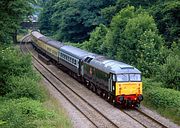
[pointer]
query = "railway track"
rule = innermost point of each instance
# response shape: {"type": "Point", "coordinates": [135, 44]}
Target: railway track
{"type": "Point", "coordinates": [88, 110]}
{"type": "Point", "coordinates": [144, 119]}
{"type": "Point", "coordinates": [97, 118]}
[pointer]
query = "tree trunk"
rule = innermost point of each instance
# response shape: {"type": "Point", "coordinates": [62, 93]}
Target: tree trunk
{"type": "Point", "coordinates": [15, 37]}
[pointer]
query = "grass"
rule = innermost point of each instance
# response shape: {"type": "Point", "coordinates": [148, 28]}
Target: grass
{"type": "Point", "coordinates": [51, 103]}
{"type": "Point", "coordinates": [62, 121]}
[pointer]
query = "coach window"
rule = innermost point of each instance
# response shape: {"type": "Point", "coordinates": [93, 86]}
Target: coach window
{"type": "Point", "coordinates": [71, 60]}
{"type": "Point", "coordinates": [74, 61]}
{"type": "Point", "coordinates": [68, 58]}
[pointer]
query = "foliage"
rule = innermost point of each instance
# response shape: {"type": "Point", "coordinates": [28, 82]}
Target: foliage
{"type": "Point", "coordinates": [17, 76]}
{"type": "Point", "coordinates": [133, 37]}
{"type": "Point", "coordinates": [21, 95]}
{"type": "Point", "coordinates": [169, 72]}
{"type": "Point", "coordinates": [14, 63]}
{"type": "Point", "coordinates": [72, 20]}
{"type": "Point", "coordinates": [166, 101]}
{"type": "Point", "coordinates": [12, 13]}
{"type": "Point", "coordinates": [45, 24]}
{"type": "Point", "coordinates": [96, 40]}
{"type": "Point", "coordinates": [17, 87]}
{"type": "Point", "coordinates": [165, 12]}
{"type": "Point", "coordinates": [167, 15]}
{"type": "Point", "coordinates": [107, 13]}
{"type": "Point", "coordinates": [27, 113]}
{"type": "Point", "coordinates": [117, 26]}
{"type": "Point", "coordinates": [112, 10]}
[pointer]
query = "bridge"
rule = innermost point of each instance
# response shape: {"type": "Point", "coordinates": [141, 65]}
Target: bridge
{"type": "Point", "coordinates": [29, 25]}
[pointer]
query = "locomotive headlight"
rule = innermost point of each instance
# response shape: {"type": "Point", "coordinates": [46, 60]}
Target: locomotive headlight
{"type": "Point", "coordinates": [140, 97]}
{"type": "Point", "coordinates": [121, 98]}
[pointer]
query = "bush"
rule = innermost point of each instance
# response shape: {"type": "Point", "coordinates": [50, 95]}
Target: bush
{"type": "Point", "coordinates": [159, 96]}
{"type": "Point", "coordinates": [27, 113]}
{"type": "Point", "coordinates": [162, 97]}
{"type": "Point", "coordinates": [166, 101]}
{"type": "Point", "coordinates": [169, 72]}
{"type": "Point", "coordinates": [14, 64]}
{"type": "Point", "coordinates": [18, 87]}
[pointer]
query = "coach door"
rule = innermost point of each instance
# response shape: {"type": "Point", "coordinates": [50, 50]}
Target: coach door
{"type": "Point", "coordinates": [82, 68]}
{"type": "Point", "coordinates": [110, 82]}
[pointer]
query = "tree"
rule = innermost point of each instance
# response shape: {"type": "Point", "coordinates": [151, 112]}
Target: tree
{"type": "Point", "coordinates": [12, 13]}
{"type": "Point", "coordinates": [111, 10]}
{"type": "Point", "coordinates": [45, 24]}
{"type": "Point", "coordinates": [96, 40]}
{"type": "Point", "coordinates": [148, 55]}
{"type": "Point", "coordinates": [117, 26]}
{"type": "Point", "coordinates": [133, 38]}
{"type": "Point", "coordinates": [169, 71]}
{"type": "Point", "coordinates": [73, 20]}
{"type": "Point", "coordinates": [167, 15]}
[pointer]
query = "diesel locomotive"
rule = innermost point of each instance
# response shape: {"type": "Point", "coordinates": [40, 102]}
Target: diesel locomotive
{"type": "Point", "coordinates": [117, 82]}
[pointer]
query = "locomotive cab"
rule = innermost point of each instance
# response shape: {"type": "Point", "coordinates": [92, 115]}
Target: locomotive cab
{"type": "Point", "coordinates": [128, 89]}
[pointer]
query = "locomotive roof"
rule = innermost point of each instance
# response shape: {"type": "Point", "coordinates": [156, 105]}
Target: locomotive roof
{"type": "Point", "coordinates": [76, 52]}
{"type": "Point", "coordinates": [113, 66]}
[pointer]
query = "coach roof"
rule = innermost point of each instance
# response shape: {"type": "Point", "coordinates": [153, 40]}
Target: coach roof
{"type": "Point", "coordinates": [37, 34]}
{"type": "Point", "coordinates": [51, 42]}
{"type": "Point", "coordinates": [73, 51]}
{"type": "Point", "coordinates": [55, 43]}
